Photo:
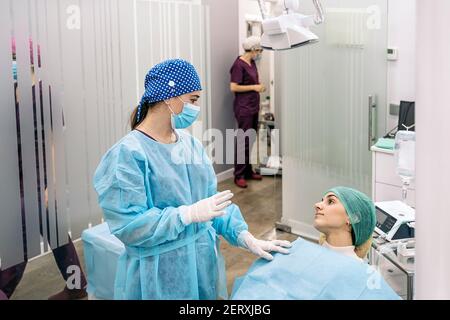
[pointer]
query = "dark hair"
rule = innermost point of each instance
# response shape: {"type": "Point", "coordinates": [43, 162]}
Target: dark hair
{"type": "Point", "coordinates": [144, 110]}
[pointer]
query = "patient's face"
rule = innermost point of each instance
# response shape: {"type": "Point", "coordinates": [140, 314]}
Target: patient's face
{"type": "Point", "coordinates": [330, 214]}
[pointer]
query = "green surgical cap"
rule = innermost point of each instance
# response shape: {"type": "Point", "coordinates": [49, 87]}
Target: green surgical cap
{"type": "Point", "coordinates": [360, 210]}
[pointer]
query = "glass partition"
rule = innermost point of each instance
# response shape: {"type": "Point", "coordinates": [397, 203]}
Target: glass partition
{"type": "Point", "coordinates": [73, 71]}
{"type": "Point", "coordinates": [332, 97]}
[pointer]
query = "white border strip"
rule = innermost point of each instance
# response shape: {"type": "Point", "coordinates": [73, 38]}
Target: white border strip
{"type": "Point", "coordinates": [225, 175]}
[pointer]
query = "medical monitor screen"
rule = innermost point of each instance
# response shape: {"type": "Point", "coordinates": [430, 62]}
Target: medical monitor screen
{"type": "Point", "coordinates": [381, 216]}
{"type": "Point", "coordinates": [385, 222]}
{"type": "Point", "coordinates": [406, 116]}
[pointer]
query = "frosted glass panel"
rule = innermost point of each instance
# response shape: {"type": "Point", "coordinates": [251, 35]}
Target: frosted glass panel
{"type": "Point", "coordinates": [80, 71]}
{"type": "Point", "coordinates": [75, 113]}
{"type": "Point", "coordinates": [10, 210]}
{"type": "Point", "coordinates": [324, 92]}
{"type": "Point", "coordinates": [27, 130]}
{"type": "Point", "coordinates": [51, 64]}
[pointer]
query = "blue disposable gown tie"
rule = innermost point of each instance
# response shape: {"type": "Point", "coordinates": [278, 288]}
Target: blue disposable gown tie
{"type": "Point", "coordinates": [141, 184]}
{"type": "Point", "coordinates": [312, 272]}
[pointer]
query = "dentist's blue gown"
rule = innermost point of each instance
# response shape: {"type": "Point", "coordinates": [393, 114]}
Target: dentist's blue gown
{"type": "Point", "coordinates": [141, 183]}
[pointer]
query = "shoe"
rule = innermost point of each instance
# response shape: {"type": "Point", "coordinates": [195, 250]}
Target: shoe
{"type": "Point", "coordinates": [66, 294]}
{"type": "Point", "coordinates": [240, 182]}
{"type": "Point", "coordinates": [255, 176]}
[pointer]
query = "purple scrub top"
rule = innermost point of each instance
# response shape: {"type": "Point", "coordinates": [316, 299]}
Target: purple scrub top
{"type": "Point", "coordinates": [245, 103]}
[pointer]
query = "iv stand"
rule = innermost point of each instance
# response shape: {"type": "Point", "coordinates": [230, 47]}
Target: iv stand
{"type": "Point", "coordinates": [406, 181]}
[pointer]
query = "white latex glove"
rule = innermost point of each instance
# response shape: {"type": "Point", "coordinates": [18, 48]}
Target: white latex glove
{"type": "Point", "coordinates": [261, 248]}
{"type": "Point", "coordinates": [206, 209]}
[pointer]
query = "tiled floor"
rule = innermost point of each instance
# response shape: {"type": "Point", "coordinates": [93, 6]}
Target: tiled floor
{"type": "Point", "coordinates": [260, 204]}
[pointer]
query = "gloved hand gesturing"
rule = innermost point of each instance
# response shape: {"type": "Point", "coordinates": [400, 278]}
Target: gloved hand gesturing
{"type": "Point", "coordinates": [206, 209]}
{"type": "Point", "coordinates": [261, 248]}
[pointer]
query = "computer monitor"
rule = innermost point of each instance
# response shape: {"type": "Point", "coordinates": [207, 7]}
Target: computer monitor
{"type": "Point", "coordinates": [406, 115]}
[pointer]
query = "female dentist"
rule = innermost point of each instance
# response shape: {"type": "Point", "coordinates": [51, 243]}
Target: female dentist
{"type": "Point", "coordinates": [158, 191]}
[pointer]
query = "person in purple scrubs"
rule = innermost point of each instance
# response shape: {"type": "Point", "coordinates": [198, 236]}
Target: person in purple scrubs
{"type": "Point", "coordinates": [246, 87]}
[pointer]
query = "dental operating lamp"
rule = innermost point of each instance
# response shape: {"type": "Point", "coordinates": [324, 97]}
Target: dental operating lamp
{"type": "Point", "coordinates": [290, 29]}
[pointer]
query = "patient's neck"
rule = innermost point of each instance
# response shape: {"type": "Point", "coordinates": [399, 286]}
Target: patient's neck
{"type": "Point", "coordinates": [339, 239]}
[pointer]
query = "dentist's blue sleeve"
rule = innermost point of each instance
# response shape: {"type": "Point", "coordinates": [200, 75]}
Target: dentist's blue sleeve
{"type": "Point", "coordinates": [232, 223]}
{"type": "Point", "coordinates": [122, 184]}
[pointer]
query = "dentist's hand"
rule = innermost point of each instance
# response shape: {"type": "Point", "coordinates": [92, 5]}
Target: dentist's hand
{"type": "Point", "coordinates": [206, 209]}
{"type": "Point", "coordinates": [262, 248]}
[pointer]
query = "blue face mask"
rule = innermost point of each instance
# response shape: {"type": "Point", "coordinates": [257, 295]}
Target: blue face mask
{"type": "Point", "coordinates": [186, 117]}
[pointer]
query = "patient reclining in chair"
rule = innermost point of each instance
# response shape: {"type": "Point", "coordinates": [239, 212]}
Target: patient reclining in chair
{"type": "Point", "coordinates": [333, 270]}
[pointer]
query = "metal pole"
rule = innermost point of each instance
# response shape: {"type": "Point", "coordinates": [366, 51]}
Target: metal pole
{"type": "Point", "coordinates": [262, 8]}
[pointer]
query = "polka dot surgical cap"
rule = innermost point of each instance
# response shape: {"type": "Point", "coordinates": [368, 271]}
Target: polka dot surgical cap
{"type": "Point", "coordinates": [168, 79]}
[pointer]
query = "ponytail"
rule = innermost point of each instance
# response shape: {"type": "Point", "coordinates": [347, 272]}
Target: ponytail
{"type": "Point", "coordinates": [137, 116]}
{"type": "Point", "coordinates": [363, 250]}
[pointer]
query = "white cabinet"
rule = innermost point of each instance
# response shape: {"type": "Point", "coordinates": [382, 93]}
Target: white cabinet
{"type": "Point", "coordinates": [386, 184]}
